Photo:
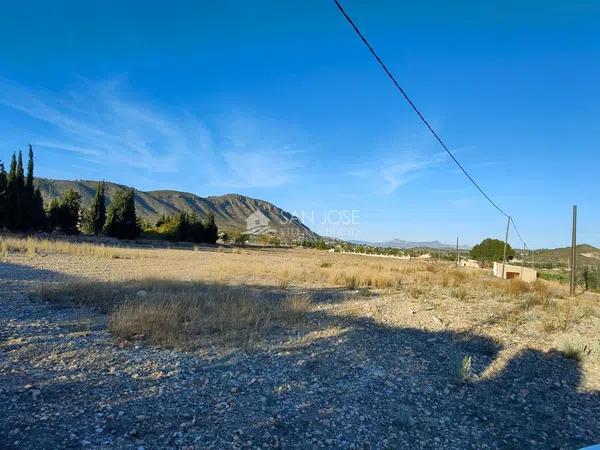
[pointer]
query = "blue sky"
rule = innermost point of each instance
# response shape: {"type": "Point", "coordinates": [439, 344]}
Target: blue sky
{"type": "Point", "coordinates": [279, 100]}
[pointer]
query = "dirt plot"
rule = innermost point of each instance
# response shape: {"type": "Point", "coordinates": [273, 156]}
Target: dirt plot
{"type": "Point", "coordinates": [267, 348]}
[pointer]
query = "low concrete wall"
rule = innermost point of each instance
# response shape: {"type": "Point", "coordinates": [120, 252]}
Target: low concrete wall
{"type": "Point", "coordinates": [524, 273]}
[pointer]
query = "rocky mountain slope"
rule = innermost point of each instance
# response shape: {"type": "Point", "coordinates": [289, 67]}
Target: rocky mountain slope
{"type": "Point", "coordinates": [231, 210]}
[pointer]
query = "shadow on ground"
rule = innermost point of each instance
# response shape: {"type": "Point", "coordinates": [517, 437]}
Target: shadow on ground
{"type": "Point", "coordinates": [359, 385]}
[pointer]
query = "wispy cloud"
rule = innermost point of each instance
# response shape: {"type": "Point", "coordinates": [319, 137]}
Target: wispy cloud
{"type": "Point", "coordinates": [391, 173]}
{"type": "Point", "coordinates": [259, 153]}
{"type": "Point", "coordinates": [105, 125]}
{"type": "Point", "coordinates": [397, 173]}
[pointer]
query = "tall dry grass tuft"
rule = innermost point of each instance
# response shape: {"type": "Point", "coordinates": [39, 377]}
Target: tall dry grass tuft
{"type": "Point", "coordinates": [517, 287]}
{"type": "Point", "coordinates": [34, 246]}
{"type": "Point", "coordinates": [175, 314]}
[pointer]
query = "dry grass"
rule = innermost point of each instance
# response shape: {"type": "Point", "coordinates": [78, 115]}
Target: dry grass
{"type": "Point", "coordinates": [179, 309]}
{"type": "Point", "coordinates": [465, 370]}
{"type": "Point", "coordinates": [175, 314]}
{"type": "Point", "coordinates": [34, 246]}
{"type": "Point", "coordinates": [577, 348]}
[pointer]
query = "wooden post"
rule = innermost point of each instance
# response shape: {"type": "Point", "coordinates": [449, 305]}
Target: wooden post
{"type": "Point", "coordinates": [505, 243]}
{"type": "Point", "coordinates": [574, 250]}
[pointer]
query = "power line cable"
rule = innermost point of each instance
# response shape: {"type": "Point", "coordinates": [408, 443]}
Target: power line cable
{"type": "Point", "coordinates": [517, 231]}
{"type": "Point", "coordinates": [413, 106]}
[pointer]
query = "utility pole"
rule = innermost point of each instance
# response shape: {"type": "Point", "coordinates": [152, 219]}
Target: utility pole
{"type": "Point", "coordinates": [573, 250]}
{"type": "Point", "coordinates": [457, 254]}
{"type": "Point", "coordinates": [523, 259]}
{"type": "Point", "coordinates": [505, 243]}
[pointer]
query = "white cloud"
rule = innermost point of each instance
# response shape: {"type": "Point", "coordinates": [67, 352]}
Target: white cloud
{"type": "Point", "coordinates": [391, 173]}
{"type": "Point", "coordinates": [106, 126]}
{"type": "Point", "coordinates": [396, 173]}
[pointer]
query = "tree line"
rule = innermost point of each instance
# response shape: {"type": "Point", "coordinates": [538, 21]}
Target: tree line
{"type": "Point", "coordinates": [186, 226]}
{"type": "Point", "coordinates": [22, 210]}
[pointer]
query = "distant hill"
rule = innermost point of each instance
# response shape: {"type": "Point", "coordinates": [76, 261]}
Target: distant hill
{"type": "Point", "coordinates": [230, 210]}
{"type": "Point", "coordinates": [399, 243]}
{"type": "Point", "coordinates": [586, 255]}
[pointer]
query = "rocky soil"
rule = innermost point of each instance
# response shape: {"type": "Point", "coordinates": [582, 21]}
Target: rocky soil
{"type": "Point", "coordinates": [345, 382]}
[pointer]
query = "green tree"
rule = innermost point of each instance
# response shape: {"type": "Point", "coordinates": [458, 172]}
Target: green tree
{"type": "Point", "coordinates": [225, 237]}
{"type": "Point", "coordinates": [185, 226]}
{"type": "Point", "coordinates": [97, 211]}
{"type": "Point", "coordinates": [490, 250]}
{"type": "Point", "coordinates": [121, 219]}
{"type": "Point", "coordinates": [38, 215]}
{"type": "Point", "coordinates": [53, 214]}
{"type": "Point", "coordinates": [29, 180]}
{"type": "Point", "coordinates": [197, 230]}
{"type": "Point", "coordinates": [32, 201]}
{"type": "Point", "coordinates": [20, 176]}
{"type": "Point", "coordinates": [63, 214]}
{"type": "Point", "coordinates": [3, 196]}
{"type": "Point", "coordinates": [70, 205]}
{"type": "Point", "coordinates": [15, 185]}
{"type": "Point", "coordinates": [211, 232]}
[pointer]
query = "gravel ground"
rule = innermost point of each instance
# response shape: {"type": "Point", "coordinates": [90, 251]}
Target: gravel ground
{"type": "Point", "coordinates": [344, 382]}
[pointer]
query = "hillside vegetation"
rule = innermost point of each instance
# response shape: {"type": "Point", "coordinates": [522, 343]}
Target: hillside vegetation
{"type": "Point", "coordinates": [230, 210]}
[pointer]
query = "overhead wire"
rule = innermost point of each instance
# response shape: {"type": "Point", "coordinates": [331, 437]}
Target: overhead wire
{"type": "Point", "coordinates": [421, 116]}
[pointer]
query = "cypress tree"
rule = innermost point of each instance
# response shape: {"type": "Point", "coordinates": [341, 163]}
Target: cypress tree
{"type": "Point", "coordinates": [12, 174]}
{"type": "Point", "coordinates": [98, 210]}
{"type": "Point", "coordinates": [20, 175]}
{"type": "Point", "coordinates": [21, 204]}
{"type": "Point", "coordinates": [3, 196]}
{"type": "Point", "coordinates": [211, 232]}
{"type": "Point", "coordinates": [33, 205]}
{"type": "Point", "coordinates": [12, 195]}
{"type": "Point", "coordinates": [29, 181]}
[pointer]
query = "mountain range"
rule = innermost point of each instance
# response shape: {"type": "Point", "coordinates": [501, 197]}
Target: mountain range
{"type": "Point", "coordinates": [231, 210]}
{"type": "Point", "coordinates": [399, 243]}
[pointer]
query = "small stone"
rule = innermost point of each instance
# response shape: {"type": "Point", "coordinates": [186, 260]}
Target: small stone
{"type": "Point", "coordinates": [141, 293]}
{"type": "Point", "coordinates": [35, 393]}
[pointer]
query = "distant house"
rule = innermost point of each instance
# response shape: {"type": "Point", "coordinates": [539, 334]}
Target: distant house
{"type": "Point", "coordinates": [472, 263]}
{"type": "Point", "coordinates": [510, 271]}
{"type": "Point", "coordinates": [257, 223]}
